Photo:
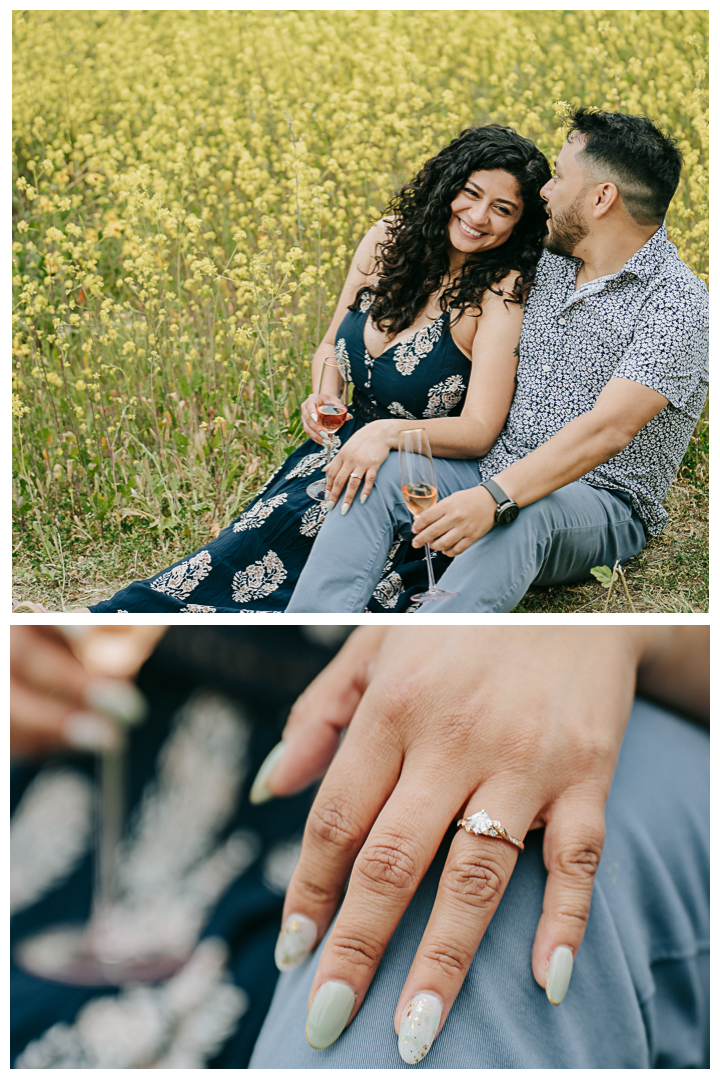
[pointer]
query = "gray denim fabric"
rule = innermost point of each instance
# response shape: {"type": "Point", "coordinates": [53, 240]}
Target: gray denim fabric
{"type": "Point", "coordinates": [639, 994]}
{"type": "Point", "coordinates": [553, 541]}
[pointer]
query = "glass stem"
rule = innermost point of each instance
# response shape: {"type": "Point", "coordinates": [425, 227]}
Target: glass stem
{"type": "Point", "coordinates": [110, 820]}
{"type": "Point", "coordinates": [431, 576]}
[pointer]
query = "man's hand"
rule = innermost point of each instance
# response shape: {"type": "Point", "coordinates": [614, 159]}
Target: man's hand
{"type": "Point", "coordinates": [456, 522]}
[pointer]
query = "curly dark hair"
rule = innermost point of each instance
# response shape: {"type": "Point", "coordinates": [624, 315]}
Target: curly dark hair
{"type": "Point", "coordinates": [415, 258]}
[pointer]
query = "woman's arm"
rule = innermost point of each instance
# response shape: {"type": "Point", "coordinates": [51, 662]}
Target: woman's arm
{"type": "Point", "coordinates": [360, 273]}
{"type": "Point", "coordinates": [470, 435]}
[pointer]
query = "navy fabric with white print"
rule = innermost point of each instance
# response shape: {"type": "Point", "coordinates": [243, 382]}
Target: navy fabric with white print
{"type": "Point", "coordinates": [649, 324]}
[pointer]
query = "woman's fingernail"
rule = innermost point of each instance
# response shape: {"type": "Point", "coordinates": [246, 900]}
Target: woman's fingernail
{"type": "Point", "coordinates": [363, 500]}
{"type": "Point", "coordinates": [86, 731]}
{"type": "Point", "coordinates": [559, 972]}
{"type": "Point", "coordinates": [329, 1013]}
{"type": "Point", "coordinates": [330, 504]}
{"type": "Point", "coordinates": [295, 941]}
{"type": "Point", "coordinates": [118, 699]}
{"type": "Point", "coordinates": [418, 1027]}
{"type": "Point", "coordinates": [314, 416]}
{"type": "Point", "coordinates": [260, 792]}
{"type": "Point", "coordinates": [345, 508]}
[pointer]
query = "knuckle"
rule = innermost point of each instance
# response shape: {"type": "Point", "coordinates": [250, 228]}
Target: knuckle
{"type": "Point", "coordinates": [388, 866]}
{"type": "Point", "coordinates": [579, 861]}
{"type": "Point", "coordinates": [479, 884]}
{"type": "Point", "coordinates": [451, 960]}
{"type": "Point", "coordinates": [354, 949]}
{"type": "Point", "coordinates": [329, 823]}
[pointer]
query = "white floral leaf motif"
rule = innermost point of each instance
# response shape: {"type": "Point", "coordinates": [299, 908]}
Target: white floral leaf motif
{"type": "Point", "coordinates": [408, 354]}
{"type": "Point", "coordinates": [49, 833]}
{"type": "Point", "coordinates": [391, 557]}
{"type": "Point", "coordinates": [182, 579]}
{"type": "Point", "coordinates": [198, 608]}
{"type": "Point", "coordinates": [260, 512]}
{"type": "Point", "coordinates": [399, 410]}
{"type": "Point", "coordinates": [342, 358]}
{"type": "Point", "coordinates": [308, 464]}
{"type": "Point", "coordinates": [259, 579]}
{"type": "Point", "coordinates": [388, 590]}
{"type": "Point", "coordinates": [444, 396]}
{"type": "Point", "coordinates": [313, 518]}
{"type": "Point", "coordinates": [366, 301]}
{"type": "Point", "coordinates": [180, 1024]}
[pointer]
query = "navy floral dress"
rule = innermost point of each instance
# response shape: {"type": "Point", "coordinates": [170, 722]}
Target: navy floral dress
{"type": "Point", "coordinates": [255, 562]}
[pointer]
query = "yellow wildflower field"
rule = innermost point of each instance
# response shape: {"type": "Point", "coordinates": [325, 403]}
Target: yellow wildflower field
{"type": "Point", "coordinates": [189, 187]}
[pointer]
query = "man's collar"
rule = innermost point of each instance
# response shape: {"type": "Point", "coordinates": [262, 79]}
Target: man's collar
{"type": "Point", "coordinates": [646, 260]}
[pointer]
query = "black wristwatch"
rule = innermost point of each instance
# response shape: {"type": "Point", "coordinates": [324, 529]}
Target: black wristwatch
{"type": "Point", "coordinates": [507, 510]}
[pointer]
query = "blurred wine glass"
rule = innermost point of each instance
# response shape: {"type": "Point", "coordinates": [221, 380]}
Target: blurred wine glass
{"type": "Point", "coordinates": [95, 954]}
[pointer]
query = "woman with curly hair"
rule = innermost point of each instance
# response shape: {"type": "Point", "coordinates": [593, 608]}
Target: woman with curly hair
{"type": "Point", "coordinates": [426, 328]}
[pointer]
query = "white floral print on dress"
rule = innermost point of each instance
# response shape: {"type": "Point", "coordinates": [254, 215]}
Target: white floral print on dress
{"type": "Point", "coordinates": [180, 580]}
{"type": "Point", "coordinates": [445, 396]}
{"type": "Point", "coordinates": [408, 354]}
{"type": "Point", "coordinates": [259, 579]}
{"type": "Point", "coordinates": [313, 518]}
{"type": "Point", "coordinates": [258, 513]}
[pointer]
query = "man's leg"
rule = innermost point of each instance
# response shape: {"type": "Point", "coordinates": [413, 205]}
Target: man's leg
{"type": "Point", "coordinates": [349, 553]}
{"type": "Point", "coordinates": [554, 541]}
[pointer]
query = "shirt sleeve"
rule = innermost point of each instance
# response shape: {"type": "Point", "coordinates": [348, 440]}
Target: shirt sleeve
{"type": "Point", "coordinates": [669, 350]}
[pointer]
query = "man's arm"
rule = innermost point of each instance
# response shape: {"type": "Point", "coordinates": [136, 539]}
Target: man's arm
{"type": "Point", "coordinates": [621, 411]}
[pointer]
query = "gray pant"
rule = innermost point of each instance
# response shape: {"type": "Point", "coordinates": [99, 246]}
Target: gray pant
{"type": "Point", "coordinates": [639, 995]}
{"type": "Point", "coordinates": [554, 541]}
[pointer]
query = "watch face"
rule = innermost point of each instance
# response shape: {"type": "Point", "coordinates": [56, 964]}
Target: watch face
{"type": "Point", "coordinates": [507, 514]}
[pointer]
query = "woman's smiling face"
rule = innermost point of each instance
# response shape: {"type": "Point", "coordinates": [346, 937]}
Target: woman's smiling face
{"type": "Point", "coordinates": [485, 211]}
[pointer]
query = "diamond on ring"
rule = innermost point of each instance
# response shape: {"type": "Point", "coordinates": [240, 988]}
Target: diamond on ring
{"type": "Point", "coordinates": [483, 825]}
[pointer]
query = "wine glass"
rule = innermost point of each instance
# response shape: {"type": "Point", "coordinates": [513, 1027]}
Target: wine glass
{"type": "Point", "coordinates": [419, 492]}
{"type": "Point", "coordinates": [331, 417]}
{"type": "Point", "coordinates": [95, 954]}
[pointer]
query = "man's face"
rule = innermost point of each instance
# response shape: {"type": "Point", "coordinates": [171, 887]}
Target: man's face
{"type": "Point", "coordinates": [565, 196]}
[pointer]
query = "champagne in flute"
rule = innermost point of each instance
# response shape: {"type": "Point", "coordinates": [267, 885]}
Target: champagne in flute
{"type": "Point", "coordinates": [331, 416]}
{"type": "Point", "coordinates": [419, 491]}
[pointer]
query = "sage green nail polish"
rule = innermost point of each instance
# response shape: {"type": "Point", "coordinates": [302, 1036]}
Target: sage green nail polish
{"type": "Point", "coordinates": [345, 508]}
{"type": "Point", "coordinates": [330, 504]}
{"type": "Point", "coordinates": [121, 700]}
{"type": "Point", "coordinates": [259, 792]}
{"type": "Point", "coordinates": [418, 1026]}
{"type": "Point", "coordinates": [363, 500]}
{"type": "Point", "coordinates": [296, 939]}
{"type": "Point", "coordinates": [96, 734]}
{"type": "Point", "coordinates": [329, 1013]}
{"type": "Point", "coordinates": [559, 972]}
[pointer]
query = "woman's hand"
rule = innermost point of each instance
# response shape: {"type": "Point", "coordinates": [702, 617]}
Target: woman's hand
{"type": "Point", "coordinates": [523, 722]}
{"type": "Point", "coordinates": [68, 686]}
{"type": "Point", "coordinates": [360, 457]}
{"type": "Point", "coordinates": [309, 414]}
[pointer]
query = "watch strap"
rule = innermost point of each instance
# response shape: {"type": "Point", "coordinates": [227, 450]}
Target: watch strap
{"type": "Point", "coordinates": [497, 492]}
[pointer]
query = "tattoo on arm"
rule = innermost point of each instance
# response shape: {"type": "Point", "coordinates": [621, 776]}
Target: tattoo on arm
{"type": "Point", "coordinates": [516, 351]}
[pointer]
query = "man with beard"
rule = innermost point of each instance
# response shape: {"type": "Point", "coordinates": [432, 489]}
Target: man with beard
{"type": "Point", "coordinates": [611, 380]}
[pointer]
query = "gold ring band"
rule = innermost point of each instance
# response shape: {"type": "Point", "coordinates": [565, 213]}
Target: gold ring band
{"type": "Point", "coordinates": [481, 824]}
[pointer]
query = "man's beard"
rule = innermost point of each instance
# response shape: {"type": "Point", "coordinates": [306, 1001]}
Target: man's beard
{"type": "Point", "coordinates": [567, 231]}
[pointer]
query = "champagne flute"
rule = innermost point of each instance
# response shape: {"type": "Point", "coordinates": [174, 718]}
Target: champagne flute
{"type": "Point", "coordinates": [331, 417]}
{"type": "Point", "coordinates": [419, 492]}
{"type": "Point", "coordinates": [95, 954]}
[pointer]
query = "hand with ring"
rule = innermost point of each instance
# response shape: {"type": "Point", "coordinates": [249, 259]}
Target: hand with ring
{"type": "Point", "coordinates": [497, 730]}
{"type": "Point", "coordinates": [361, 457]}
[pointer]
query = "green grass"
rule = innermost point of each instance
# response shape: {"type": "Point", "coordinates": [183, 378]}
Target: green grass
{"type": "Point", "coordinates": [66, 567]}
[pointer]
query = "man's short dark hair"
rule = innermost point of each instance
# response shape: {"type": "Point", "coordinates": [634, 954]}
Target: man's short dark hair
{"type": "Point", "coordinates": [641, 159]}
